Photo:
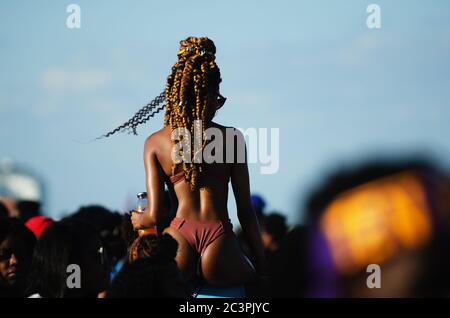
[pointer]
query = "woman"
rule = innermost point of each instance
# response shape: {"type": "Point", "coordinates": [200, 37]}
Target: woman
{"type": "Point", "coordinates": [62, 245]}
{"type": "Point", "coordinates": [201, 227]}
{"type": "Point", "coordinates": [16, 249]}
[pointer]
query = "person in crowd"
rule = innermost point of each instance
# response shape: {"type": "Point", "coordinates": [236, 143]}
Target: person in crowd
{"type": "Point", "coordinates": [108, 224]}
{"type": "Point", "coordinates": [4, 213]}
{"type": "Point", "coordinates": [22, 209]}
{"type": "Point", "coordinates": [258, 204]}
{"type": "Point", "coordinates": [28, 209]}
{"type": "Point", "coordinates": [11, 205]}
{"type": "Point", "coordinates": [16, 250]}
{"type": "Point", "coordinates": [69, 262]}
{"type": "Point", "coordinates": [381, 230]}
{"type": "Point", "coordinates": [38, 224]}
{"type": "Point", "coordinates": [288, 266]}
{"type": "Point", "coordinates": [273, 231]}
{"type": "Point", "coordinates": [151, 270]}
{"type": "Point", "coordinates": [201, 226]}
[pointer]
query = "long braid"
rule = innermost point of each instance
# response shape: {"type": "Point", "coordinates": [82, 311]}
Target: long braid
{"type": "Point", "coordinates": [140, 117]}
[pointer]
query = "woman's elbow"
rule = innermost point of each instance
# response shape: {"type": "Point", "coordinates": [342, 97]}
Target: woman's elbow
{"type": "Point", "coordinates": [157, 215]}
{"type": "Point", "coordinates": [154, 218]}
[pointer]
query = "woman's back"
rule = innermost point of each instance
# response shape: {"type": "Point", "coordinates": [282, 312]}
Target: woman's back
{"type": "Point", "coordinates": [209, 200]}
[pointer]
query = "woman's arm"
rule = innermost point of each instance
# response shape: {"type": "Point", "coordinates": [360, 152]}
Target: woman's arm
{"type": "Point", "coordinates": [246, 214]}
{"type": "Point", "coordinates": [155, 188]}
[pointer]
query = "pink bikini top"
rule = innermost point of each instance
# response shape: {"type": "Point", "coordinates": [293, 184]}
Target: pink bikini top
{"type": "Point", "coordinates": [180, 176]}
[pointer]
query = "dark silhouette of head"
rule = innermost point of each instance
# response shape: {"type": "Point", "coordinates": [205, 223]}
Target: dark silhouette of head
{"type": "Point", "coordinates": [108, 224]}
{"type": "Point", "coordinates": [3, 211]}
{"type": "Point", "coordinates": [151, 270]}
{"type": "Point", "coordinates": [28, 209]}
{"type": "Point", "coordinates": [62, 244]}
{"type": "Point", "coordinates": [275, 226]}
{"type": "Point", "coordinates": [16, 250]}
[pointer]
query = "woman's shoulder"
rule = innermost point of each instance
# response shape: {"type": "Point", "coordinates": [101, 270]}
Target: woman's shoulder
{"type": "Point", "coordinates": [161, 132]}
{"type": "Point", "coordinates": [157, 137]}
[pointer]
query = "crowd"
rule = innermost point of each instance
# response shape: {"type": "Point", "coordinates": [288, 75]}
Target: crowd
{"type": "Point", "coordinates": [392, 214]}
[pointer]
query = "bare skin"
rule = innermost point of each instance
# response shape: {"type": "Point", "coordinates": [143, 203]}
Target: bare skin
{"type": "Point", "coordinates": [222, 263]}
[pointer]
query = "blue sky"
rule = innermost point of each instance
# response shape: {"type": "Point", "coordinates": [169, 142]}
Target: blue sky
{"type": "Point", "coordinates": [338, 91]}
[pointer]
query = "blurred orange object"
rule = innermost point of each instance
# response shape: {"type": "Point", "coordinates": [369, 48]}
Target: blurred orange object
{"type": "Point", "coordinates": [370, 223]}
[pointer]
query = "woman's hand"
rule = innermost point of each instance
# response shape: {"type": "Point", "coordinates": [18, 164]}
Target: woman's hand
{"type": "Point", "coordinates": [136, 219]}
{"type": "Point", "coordinates": [139, 220]}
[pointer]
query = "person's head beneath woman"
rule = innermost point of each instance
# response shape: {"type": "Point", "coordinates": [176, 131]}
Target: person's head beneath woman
{"type": "Point", "coordinates": [151, 270]}
{"type": "Point", "coordinates": [153, 246]}
{"type": "Point", "coordinates": [64, 243]}
{"type": "Point", "coordinates": [16, 249]}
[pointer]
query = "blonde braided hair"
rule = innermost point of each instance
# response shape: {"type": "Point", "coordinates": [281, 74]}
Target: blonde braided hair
{"type": "Point", "coordinates": [194, 77]}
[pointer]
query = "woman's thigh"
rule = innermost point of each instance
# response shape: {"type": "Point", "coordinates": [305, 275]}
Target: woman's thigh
{"type": "Point", "coordinates": [224, 264]}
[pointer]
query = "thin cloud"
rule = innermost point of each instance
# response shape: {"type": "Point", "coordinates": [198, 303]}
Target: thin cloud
{"type": "Point", "coordinates": [64, 81]}
{"type": "Point", "coordinates": [252, 99]}
{"type": "Point", "coordinates": [358, 51]}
